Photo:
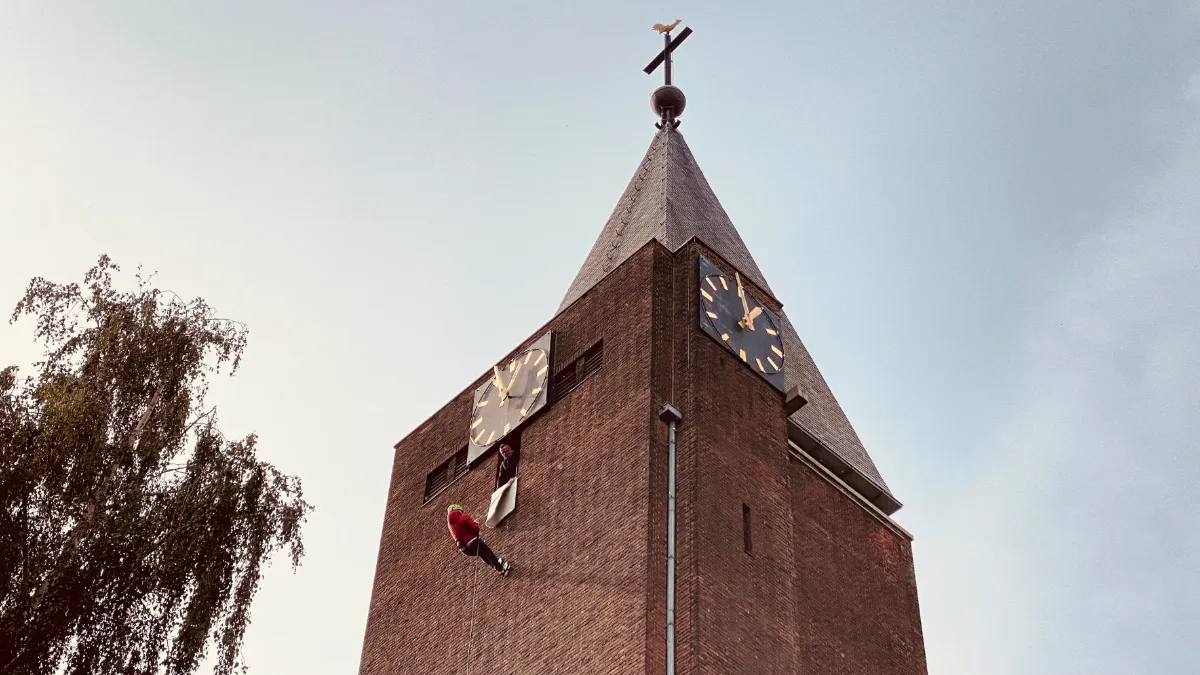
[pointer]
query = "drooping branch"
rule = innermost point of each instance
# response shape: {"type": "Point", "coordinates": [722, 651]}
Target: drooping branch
{"type": "Point", "coordinates": [138, 532]}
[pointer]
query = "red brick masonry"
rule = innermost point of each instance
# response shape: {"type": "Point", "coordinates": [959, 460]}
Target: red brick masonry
{"type": "Point", "coordinates": [829, 587]}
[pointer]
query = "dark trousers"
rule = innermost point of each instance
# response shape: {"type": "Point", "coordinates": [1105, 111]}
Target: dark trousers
{"type": "Point", "coordinates": [477, 547]}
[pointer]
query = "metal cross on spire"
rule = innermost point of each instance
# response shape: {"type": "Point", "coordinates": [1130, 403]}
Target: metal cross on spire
{"type": "Point", "coordinates": [669, 46]}
{"type": "Point", "coordinates": [668, 100]}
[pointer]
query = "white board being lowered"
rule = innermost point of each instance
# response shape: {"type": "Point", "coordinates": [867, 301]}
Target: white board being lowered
{"type": "Point", "coordinates": [504, 500]}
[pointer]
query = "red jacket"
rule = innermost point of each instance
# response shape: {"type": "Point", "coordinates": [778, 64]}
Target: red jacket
{"type": "Point", "coordinates": [462, 527]}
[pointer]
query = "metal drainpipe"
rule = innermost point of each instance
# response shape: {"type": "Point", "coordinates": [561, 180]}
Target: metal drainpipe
{"type": "Point", "coordinates": [671, 416]}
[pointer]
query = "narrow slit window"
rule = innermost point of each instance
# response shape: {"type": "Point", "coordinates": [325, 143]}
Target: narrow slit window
{"type": "Point", "coordinates": [747, 542]}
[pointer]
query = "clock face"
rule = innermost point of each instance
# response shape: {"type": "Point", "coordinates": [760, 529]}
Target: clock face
{"type": "Point", "coordinates": [744, 326]}
{"type": "Point", "coordinates": [516, 390]}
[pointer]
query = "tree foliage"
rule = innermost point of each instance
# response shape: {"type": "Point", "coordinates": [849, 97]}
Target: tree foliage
{"type": "Point", "coordinates": [133, 534]}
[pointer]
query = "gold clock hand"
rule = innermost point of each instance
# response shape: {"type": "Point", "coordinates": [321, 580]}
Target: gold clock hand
{"type": "Point", "coordinates": [511, 382]}
{"type": "Point", "coordinates": [754, 314]}
{"type": "Point", "coordinates": [499, 385]}
{"type": "Point", "coordinates": [745, 307]}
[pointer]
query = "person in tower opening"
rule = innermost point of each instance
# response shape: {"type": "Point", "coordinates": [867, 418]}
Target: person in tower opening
{"type": "Point", "coordinates": [507, 470]}
{"type": "Point", "coordinates": [465, 531]}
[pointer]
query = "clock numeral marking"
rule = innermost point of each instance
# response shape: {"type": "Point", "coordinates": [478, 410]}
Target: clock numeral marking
{"type": "Point", "coordinates": [506, 427]}
{"type": "Point", "coordinates": [771, 331]}
{"type": "Point", "coordinates": [773, 364]}
{"type": "Point", "coordinates": [541, 355]}
{"type": "Point", "coordinates": [723, 283]}
{"type": "Point", "coordinates": [512, 364]}
{"type": "Point", "coordinates": [706, 295]}
{"type": "Point", "coordinates": [777, 352]}
{"type": "Point", "coordinates": [543, 371]}
{"type": "Point", "coordinates": [710, 282]}
{"type": "Point", "coordinates": [483, 403]}
{"type": "Point", "coordinates": [535, 391]}
{"type": "Point", "coordinates": [742, 353]}
{"type": "Point", "coordinates": [491, 438]}
{"type": "Point", "coordinates": [528, 356]}
{"type": "Point", "coordinates": [711, 315]}
{"type": "Point", "coordinates": [760, 365]}
{"type": "Point", "coordinates": [476, 422]}
{"type": "Point", "coordinates": [476, 439]}
{"type": "Point", "coordinates": [725, 337]}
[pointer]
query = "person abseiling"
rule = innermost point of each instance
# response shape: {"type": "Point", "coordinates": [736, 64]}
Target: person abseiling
{"type": "Point", "coordinates": [465, 531]}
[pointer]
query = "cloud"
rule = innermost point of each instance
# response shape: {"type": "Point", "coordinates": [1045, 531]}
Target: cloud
{"type": "Point", "coordinates": [1078, 551]}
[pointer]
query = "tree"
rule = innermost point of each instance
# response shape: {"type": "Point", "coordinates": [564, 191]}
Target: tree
{"type": "Point", "coordinates": [133, 534]}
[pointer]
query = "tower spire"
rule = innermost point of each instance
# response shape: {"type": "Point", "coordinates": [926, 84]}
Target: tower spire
{"type": "Point", "coordinates": [668, 200]}
{"type": "Point", "coordinates": [668, 100]}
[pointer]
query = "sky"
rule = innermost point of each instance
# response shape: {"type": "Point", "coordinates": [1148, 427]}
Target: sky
{"type": "Point", "coordinates": [981, 216]}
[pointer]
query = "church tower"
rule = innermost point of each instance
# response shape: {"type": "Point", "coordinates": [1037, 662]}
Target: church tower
{"type": "Point", "coordinates": [690, 497]}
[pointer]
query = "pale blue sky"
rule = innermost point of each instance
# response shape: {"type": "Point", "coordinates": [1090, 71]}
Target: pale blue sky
{"type": "Point", "coordinates": [981, 216]}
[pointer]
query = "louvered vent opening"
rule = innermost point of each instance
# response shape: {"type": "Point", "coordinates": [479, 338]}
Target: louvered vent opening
{"type": "Point", "coordinates": [446, 473]}
{"type": "Point", "coordinates": [578, 371]}
{"type": "Point", "coordinates": [591, 361]}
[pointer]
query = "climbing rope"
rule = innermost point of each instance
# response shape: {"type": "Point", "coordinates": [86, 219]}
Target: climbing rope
{"type": "Point", "coordinates": [471, 629]}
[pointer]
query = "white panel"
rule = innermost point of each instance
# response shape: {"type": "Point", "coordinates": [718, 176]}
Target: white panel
{"type": "Point", "coordinates": [504, 500]}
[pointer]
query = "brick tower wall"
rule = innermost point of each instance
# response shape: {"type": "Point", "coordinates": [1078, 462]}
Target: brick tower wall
{"type": "Point", "coordinates": [854, 588]}
{"type": "Point", "coordinates": [734, 611]}
{"type": "Point", "coordinates": [828, 587]}
{"type": "Point", "coordinates": [576, 602]}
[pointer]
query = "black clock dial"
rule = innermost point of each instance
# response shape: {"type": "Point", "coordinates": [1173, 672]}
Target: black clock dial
{"type": "Point", "coordinates": [516, 390]}
{"type": "Point", "coordinates": [750, 331]}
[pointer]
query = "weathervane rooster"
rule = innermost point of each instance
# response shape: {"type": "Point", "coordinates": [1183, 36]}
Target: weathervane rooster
{"type": "Point", "coordinates": [664, 28]}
